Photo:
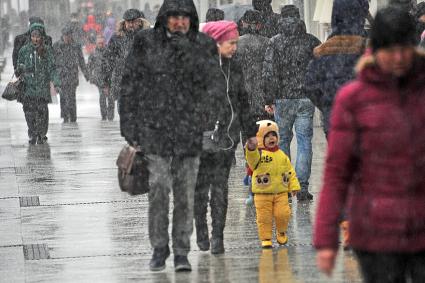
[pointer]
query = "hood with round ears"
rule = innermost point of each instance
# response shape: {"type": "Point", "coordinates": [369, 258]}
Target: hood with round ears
{"type": "Point", "coordinates": [349, 17]}
{"type": "Point", "coordinates": [261, 5]}
{"type": "Point", "coordinates": [265, 127]}
{"type": "Point", "coordinates": [177, 6]}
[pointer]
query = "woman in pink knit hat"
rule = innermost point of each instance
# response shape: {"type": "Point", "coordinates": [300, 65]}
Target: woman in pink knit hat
{"type": "Point", "coordinates": [220, 146]}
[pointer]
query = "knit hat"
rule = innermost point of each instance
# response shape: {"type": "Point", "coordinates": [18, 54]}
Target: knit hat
{"type": "Point", "coordinates": [290, 11]}
{"type": "Point", "coordinates": [265, 127]}
{"type": "Point", "coordinates": [132, 14]}
{"type": "Point", "coordinates": [39, 27]}
{"type": "Point", "coordinates": [221, 31]}
{"type": "Point", "coordinates": [392, 26]}
{"type": "Point", "coordinates": [35, 19]}
{"type": "Point", "coordinates": [214, 14]}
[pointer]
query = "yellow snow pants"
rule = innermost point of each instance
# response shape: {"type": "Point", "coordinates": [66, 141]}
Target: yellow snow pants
{"type": "Point", "coordinates": [269, 207]}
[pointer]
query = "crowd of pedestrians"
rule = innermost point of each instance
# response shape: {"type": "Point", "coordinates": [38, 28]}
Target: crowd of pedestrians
{"type": "Point", "coordinates": [188, 94]}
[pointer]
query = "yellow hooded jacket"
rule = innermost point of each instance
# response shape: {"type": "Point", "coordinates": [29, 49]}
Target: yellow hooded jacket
{"type": "Point", "coordinates": [272, 170]}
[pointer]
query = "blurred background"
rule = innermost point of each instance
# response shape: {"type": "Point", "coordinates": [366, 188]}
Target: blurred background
{"type": "Point", "coordinates": [15, 13]}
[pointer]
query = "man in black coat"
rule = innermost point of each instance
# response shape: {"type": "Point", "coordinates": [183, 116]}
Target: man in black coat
{"type": "Point", "coordinates": [169, 87]}
{"type": "Point", "coordinates": [23, 39]}
{"type": "Point", "coordinates": [68, 57]}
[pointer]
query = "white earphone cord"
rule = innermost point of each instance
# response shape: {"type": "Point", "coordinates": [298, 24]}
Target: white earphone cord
{"type": "Point", "coordinates": [227, 78]}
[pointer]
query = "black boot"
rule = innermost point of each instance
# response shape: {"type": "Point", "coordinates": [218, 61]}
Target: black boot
{"type": "Point", "coordinates": [159, 256]}
{"type": "Point", "coordinates": [40, 140]}
{"type": "Point", "coordinates": [217, 246]}
{"type": "Point", "coordinates": [304, 196]}
{"type": "Point", "coordinates": [181, 263]}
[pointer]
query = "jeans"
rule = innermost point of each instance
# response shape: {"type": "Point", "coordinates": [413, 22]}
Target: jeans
{"type": "Point", "coordinates": [392, 267]}
{"type": "Point", "coordinates": [213, 175]}
{"type": "Point", "coordinates": [179, 175]}
{"type": "Point", "coordinates": [298, 113]}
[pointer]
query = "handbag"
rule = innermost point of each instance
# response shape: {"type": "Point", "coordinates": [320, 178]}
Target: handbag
{"type": "Point", "coordinates": [133, 174]}
{"type": "Point", "coordinates": [13, 90]}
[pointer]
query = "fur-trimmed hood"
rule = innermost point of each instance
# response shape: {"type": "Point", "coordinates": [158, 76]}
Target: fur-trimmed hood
{"type": "Point", "coordinates": [341, 44]}
{"type": "Point", "coordinates": [120, 29]}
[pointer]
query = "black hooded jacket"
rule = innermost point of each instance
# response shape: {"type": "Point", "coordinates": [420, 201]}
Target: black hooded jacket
{"type": "Point", "coordinates": [250, 54]}
{"type": "Point", "coordinates": [287, 57]}
{"type": "Point", "coordinates": [169, 87]}
{"type": "Point", "coordinates": [270, 25]}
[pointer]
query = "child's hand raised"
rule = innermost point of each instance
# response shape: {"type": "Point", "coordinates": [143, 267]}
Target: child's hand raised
{"type": "Point", "coordinates": [252, 143]}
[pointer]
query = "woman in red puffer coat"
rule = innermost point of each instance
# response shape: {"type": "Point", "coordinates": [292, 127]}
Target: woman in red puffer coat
{"type": "Point", "coordinates": [375, 164]}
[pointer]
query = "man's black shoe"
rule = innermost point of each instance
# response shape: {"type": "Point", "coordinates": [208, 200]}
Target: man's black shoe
{"type": "Point", "coordinates": [204, 245]}
{"type": "Point", "coordinates": [32, 141]}
{"type": "Point", "coordinates": [40, 140]}
{"type": "Point", "coordinates": [159, 256]}
{"type": "Point", "coordinates": [181, 263]}
{"type": "Point", "coordinates": [217, 246]}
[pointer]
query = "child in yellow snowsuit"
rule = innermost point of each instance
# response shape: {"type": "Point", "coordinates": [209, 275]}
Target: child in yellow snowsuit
{"type": "Point", "coordinates": [272, 179]}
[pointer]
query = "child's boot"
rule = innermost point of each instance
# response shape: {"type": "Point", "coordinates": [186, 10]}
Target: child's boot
{"type": "Point", "coordinates": [345, 234]}
{"type": "Point", "coordinates": [249, 200]}
{"type": "Point", "coordinates": [266, 244]}
{"type": "Point", "coordinates": [282, 239]}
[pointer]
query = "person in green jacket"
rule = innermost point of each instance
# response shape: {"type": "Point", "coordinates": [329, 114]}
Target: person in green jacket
{"type": "Point", "coordinates": [36, 67]}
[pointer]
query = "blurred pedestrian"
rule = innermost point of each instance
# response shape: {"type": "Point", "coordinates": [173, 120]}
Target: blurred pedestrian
{"type": "Point", "coordinates": [215, 165]}
{"type": "Point", "coordinates": [6, 28]}
{"type": "Point", "coordinates": [420, 18]}
{"type": "Point", "coordinates": [94, 67]}
{"type": "Point", "coordinates": [25, 38]}
{"type": "Point", "coordinates": [335, 59]}
{"type": "Point", "coordinates": [273, 178]}
{"type": "Point", "coordinates": [118, 48]}
{"type": "Point", "coordinates": [285, 65]}
{"type": "Point", "coordinates": [214, 14]}
{"type": "Point", "coordinates": [77, 29]}
{"type": "Point", "coordinates": [250, 54]}
{"type": "Point", "coordinates": [375, 166]}
{"type": "Point", "coordinates": [109, 29]}
{"type": "Point", "coordinates": [270, 26]}
{"type": "Point", "coordinates": [91, 29]}
{"type": "Point", "coordinates": [69, 57]}
{"type": "Point", "coordinates": [36, 68]}
{"type": "Point", "coordinates": [169, 90]}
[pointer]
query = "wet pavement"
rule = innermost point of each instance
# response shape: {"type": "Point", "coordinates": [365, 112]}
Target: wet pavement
{"type": "Point", "coordinates": [64, 219]}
